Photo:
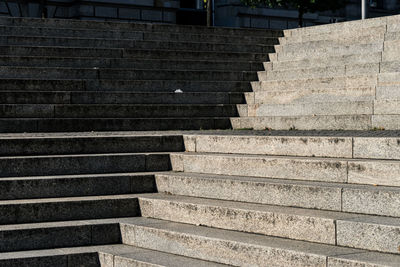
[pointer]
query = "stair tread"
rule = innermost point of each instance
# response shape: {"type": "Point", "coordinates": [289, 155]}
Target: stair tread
{"type": "Point", "coordinates": [264, 208]}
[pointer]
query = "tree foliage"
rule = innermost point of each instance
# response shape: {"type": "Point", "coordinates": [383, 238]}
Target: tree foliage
{"type": "Point", "coordinates": [303, 6]}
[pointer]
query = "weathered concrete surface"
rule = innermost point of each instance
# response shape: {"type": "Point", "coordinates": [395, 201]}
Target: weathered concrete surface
{"type": "Point", "coordinates": [358, 233]}
{"type": "Point", "coordinates": [333, 170]}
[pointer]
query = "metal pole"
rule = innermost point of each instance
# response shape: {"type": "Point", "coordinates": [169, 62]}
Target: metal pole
{"type": "Point", "coordinates": [363, 9]}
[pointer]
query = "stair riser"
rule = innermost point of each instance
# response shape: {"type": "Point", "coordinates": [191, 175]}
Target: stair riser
{"type": "Point", "coordinates": [60, 165]}
{"type": "Point", "coordinates": [76, 42]}
{"type": "Point", "coordinates": [273, 224]}
{"type": "Point", "coordinates": [311, 109]}
{"type": "Point", "coordinates": [124, 86]}
{"type": "Point", "coordinates": [303, 146]}
{"type": "Point", "coordinates": [333, 51]}
{"type": "Point", "coordinates": [350, 82]}
{"type": "Point", "coordinates": [285, 193]}
{"type": "Point", "coordinates": [348, 122]}
{"type": "Point", "coordinates": [71, 210]}
{"type": "Point", "coordinates": [311, 96]}
{"type": "Point", "coordinates": [59, 237]}
{"type": "Point", "coordinates": [318, 63]}
{"type": "Point", "coordinates": [325, 72]}
{"type": "Point", "coordinates": [228, 252]}
{"type": "Point", "coordinates": [125, 63]}
{"type": "Point", "coordinates": [332, 36]}
{"type": "Point", "coordinates": [138, 35]}
{"type": "Point", "coordinates": [81, 24]}
{"type": "Point", "coordinates": [116, 124]}
{"type": "Point", "coordinates": [340, 170]}
{"type": "Point", "coordinates": [80, 52]}
{"type": "Point", "coordinates": [77, 186]}
{"type": "Point", "coordinates": [81, 259]}
{"type": "Point", "coordinates": [90, 111]}
{"type": "Point", "coordinates": [90, 145]}
{"type": "Point", "coordinates": [9, 72]}
{"type": "Point", "coordinates": [320, 45]}
{"type": "Point", "coordinates": [118, 98]}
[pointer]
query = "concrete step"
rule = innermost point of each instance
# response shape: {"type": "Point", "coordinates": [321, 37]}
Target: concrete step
{"type": "Point", "coordinates": [320, 72]}
{"type": "Point", "coordinates": [79, 52]}
{"type": "Point", "coordinates": [116, 111]}
{"type": "Point", "coordinates": [112, 124]}
{"type": "Point", "coordinates": [173, 238]}
{"type": "Point", "coordinates": [122, 26]}
{"type": "Point", "coordinates": [105, 256]}
{"type": "Point", "coordinates": [356, 26]}
{"type": "Point", "coordinates": [313, 109]}
{"type": "Point", "coordinates": [325, 227]}
{"type": "Point", "coordinates": [303, 96]}
{"type": "Point", "coordinates": [338, 170]}
{"type": "Point", "coordinates": [290, 46]}
{"type": "Point", "coordinates": [391, 50]}
{"type": "Point", "coordinates": [367, 81]}
{"type": "Point", "coordinates": [63, 186]}
{"type": "Point", "coordinates": [355, 35]}
{"type": "Point", "coordinates": [375, 36]}
{"type": "Point", "coordinates": [126, 74]}
{"type": "Point", "coordinates": [102, 97]}
{"type": "Point", "coordinates": [372, 147]}
{"type": "Point", "coordinates": [319, 122]}
{"type": "Point", "coordinates": [142, 35]}
{"type": "Point", "coordinates": [324, 62]}
{"type": "Point", "coordinates": [17, 166]}
{"type": "Point", "coordinates": [323, 122]}
{"type": "Point", "coordinates": [330, 51]}
{"type": "Point", "coordinates": [126, 43]}
{"type": "Point", "coordinates": [122, 85]}
{"type": "Point", "coordinates": [11, 145]}
{"type": "Point", "coordinates": [88, 62]}
{"type": "Point", "coordinates": [362, 199]}
{"type": "Point", "coordinates": [71, 208]}
{"type": "Point", "coordinates": [243, 249]}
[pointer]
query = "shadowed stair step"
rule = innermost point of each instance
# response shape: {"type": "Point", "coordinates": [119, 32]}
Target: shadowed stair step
{"type": "Point", "coordinates": [90, 62]}
{"type": "Point", "coordinates": [84, 163]}
{"type": "Point", "coordinates": [77, 185]}
{"type": "Point", "coordinates": [236, 248]}
{"type": "Point", "coordinates": [112, 124]}
{"type": "Point", "coordinates": [7, 84]}
{"type": "Point", "coordinates": [104, 97]}
{"type": "Point", "coordinates": [121, 43]}
{"type": "Point", "coordinates": [116, 111]}
{"type": "Point", "coordinates": [80, 52]}
{"type": "Point", "coordinates": [99, 143]}
{"type": "Point", "coordinates": [118, 26]}
{"type": "Point", "coordinates": [364, 199]}
{"type": "Point", "coordinates": [72, 208]}
{"type": "Point", "coordinates": [105, 256]}
{"type": "Point", "coordinates": [359, 171]}
{"type": "Point", "coordinates": [133, 74]}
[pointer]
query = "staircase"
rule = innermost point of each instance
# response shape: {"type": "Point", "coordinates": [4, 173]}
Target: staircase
{"type": "Point", "coordinates": [66, 75]}
{"type": "Point", "coordinates": [338, 76]}
{"type": "Point", "coordinates": [114, 198]}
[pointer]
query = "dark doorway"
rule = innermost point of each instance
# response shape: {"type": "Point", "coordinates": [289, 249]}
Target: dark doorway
{"type": "Point", "coordinates": [191, 12]}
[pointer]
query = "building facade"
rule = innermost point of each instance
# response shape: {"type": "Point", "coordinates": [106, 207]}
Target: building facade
{"type": "Point", "coordinates": [229, 13]}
